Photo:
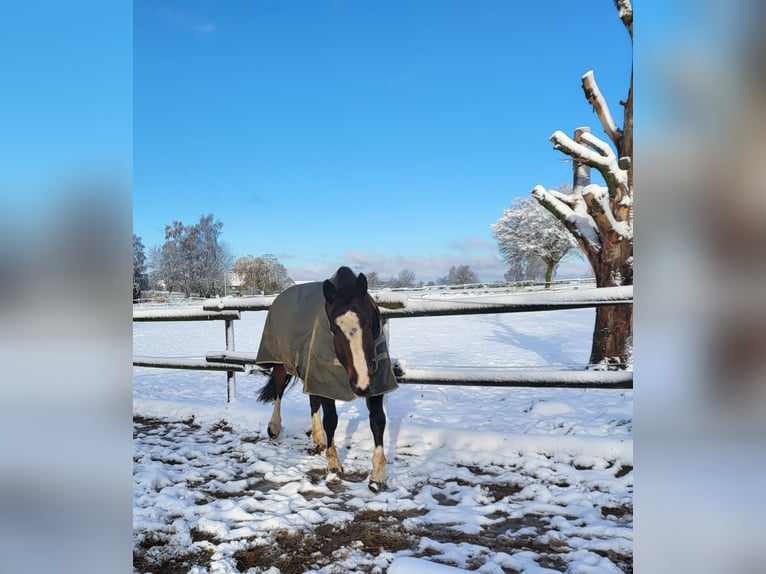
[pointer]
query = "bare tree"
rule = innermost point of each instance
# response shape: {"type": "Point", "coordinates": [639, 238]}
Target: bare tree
{"type": "Point", "coordinates": [460, 275]}
{"type": "Point", "coordinates": [406, 278]}
{"type": "Point", "coordinates": [373, 280]}
{"type": "Point", "coordinates": [601, 218]}
{"type": "Point", "coordinates": [527, 234]}
{"type": "Point", "coordinates": [529, 268]}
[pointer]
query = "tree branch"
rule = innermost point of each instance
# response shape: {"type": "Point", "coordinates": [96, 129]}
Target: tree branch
{"type": "Point", "coordinates": [597, 100]}
{"type": "Point", "coordinates": [603, 159]}
{"type": "Point", "coordinates": [578, 151]}
{"type": "Point", "coordinates": [600, 146]}
{"type": "Point", "coordinates": [625, 11]}
{"type": "Point", "coordinates": [597, 198]}
{"type": "Point", "coordinates": [580, 171]}
{"type": "Point", "coordinates": [575, 218]}
{"type": "Point", "coordinates": [566, 198]}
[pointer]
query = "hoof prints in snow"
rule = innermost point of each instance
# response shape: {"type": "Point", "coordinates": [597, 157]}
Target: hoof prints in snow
{"type": "Point", "coordinates": [208, 495]}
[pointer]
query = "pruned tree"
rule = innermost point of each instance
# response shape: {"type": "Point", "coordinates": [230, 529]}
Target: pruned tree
{"type": "Point", "coordinates": [601, 218]}
{"type": "Point", "coordinates": [528, 235]}
{"type": "Point", "coordinates": [264, 274]}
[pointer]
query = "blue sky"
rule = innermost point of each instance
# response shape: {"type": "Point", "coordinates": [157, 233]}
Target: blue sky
{"type": "Point", "coordinates": [383, 135]}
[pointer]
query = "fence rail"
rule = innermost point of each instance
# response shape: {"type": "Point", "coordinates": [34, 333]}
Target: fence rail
{"type": "Point", "coordinates": [196, 364]}
{"type": "Point", "coordinates": [581, 379]}
{"type": "Point", "coordinates": [399, 305]}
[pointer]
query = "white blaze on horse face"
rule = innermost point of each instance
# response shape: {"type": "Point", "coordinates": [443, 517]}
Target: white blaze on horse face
{"type": "Point", "coordinates": [352, 330]}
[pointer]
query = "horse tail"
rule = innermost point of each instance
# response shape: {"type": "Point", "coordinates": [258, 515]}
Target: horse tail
{"type": "Point", "coordinates": [276, 385]}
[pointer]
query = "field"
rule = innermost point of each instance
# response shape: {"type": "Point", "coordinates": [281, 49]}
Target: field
{"type": "Point", "coordinates": [489, 479]}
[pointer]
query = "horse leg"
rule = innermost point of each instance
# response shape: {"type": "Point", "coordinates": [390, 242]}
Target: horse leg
{"type": "Point", "coordinates": [317, 434]}
{"type": "Point", "coordinates": [330, 423]}
{"type": "Point", "coordinates": [377, 425]}
{"type": "Point", "coordinates": [279, 379]}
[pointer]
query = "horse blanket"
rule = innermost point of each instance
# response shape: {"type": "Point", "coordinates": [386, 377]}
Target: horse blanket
{"type": "Point", "coordinates": [297, 334]}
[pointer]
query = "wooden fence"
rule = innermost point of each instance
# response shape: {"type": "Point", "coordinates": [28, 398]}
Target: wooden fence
{"type": "Point", "coordinates": [198, 364]}
{"type": "Point", "coordinates": [396, 305]}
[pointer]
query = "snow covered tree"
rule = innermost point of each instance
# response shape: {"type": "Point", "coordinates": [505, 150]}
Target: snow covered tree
{"type": "Point", "coordinates": [527, 233]}
{"type": "Point", "coordinates": [460, 275]}
{"type": "Point", "coordinates": [373, 280]}
{"type": "Point", "coordinates": [406, 278]}
{"type": "Point", "coordinates": [192, 259]}
{"type": "Point", "coordinates": [530, 268]}
{"type": "Point", "coordinates": [601, 218]}
{"type": "Point", "coordinates": [139, 267]}
{"type": "Point", "coordinates": [265, 273]}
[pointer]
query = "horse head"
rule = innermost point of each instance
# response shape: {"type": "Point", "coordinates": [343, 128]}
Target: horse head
{"type": "Point", "coordinates": [355, 324]}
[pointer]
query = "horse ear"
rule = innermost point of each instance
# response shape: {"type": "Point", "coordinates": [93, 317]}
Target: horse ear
{"type": "Point", "coordinates": [361, 285]}
{"type": "Point", "coordinates": [329, 291]}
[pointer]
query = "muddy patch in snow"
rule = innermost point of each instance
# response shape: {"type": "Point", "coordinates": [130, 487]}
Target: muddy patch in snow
{"type": "Point", "coordinates": [211, 497]}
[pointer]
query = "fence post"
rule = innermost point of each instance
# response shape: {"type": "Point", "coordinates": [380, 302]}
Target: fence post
{"type": "Point", "coordinates": [231, 381]}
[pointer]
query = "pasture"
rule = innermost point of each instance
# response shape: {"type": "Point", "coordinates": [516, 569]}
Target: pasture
{"type": "Point", "coordinates": [490, 479]}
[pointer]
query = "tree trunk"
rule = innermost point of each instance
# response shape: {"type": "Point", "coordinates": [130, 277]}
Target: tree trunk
{"type": "Point", "coordinates": [613, 331]}
{"type": "Point", "coordinates": [549, 274]}
{"type": "Point", "coordinates": [613, 337]}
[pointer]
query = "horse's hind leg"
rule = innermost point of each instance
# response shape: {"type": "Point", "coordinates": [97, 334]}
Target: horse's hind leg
{"type": "Point", "coordinates": [279, 378]}
{"type": "Point", "coordinates": [329, 423]}
{"type": "Point", "coordinates": [378, 426]}
{"type": "Point", "coordinates": [317, 434]}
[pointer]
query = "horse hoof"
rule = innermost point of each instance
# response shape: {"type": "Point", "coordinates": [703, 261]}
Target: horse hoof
{"type": "Point", "coordinates": [273, 434]}
{"type": "Point", "coordinates": [377, 487]}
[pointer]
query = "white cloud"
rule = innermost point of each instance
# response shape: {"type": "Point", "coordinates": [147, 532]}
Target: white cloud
{"type": "Point", "coordinates": [480, 255]}
{"type": "Point", "coordinates": [181, 19]}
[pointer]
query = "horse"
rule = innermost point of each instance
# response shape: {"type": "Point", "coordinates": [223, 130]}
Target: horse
{"type": "Point", "coordinates": [330, 335]}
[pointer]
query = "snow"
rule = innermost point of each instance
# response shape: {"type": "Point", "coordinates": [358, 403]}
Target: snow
{"type": "Point", "coordinates": [495, 479]}
{"type": "Point", "coordinates": [180, 314]}
{"type": "Point", "coordinates": [406, 565]}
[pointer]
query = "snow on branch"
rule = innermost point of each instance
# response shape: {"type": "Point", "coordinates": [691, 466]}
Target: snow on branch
{"type": "Point", "coordinates": [597, 100]}
{"type": "Point", "coordinates": [569, 199]}
{"type": "Point", "coordinates": [625, 12]}
{"type": "Point", "coordinates": [597, 197]}
{"type": "Point", "coordinates": [573, 214]}
{"type": "Point", "coordinates": [598, 154]}
{"type": "Point", "coordinates": [600, 146]}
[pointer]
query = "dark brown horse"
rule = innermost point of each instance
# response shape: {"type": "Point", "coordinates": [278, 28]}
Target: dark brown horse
{"type": "Point", "coordinates": [329, 334]}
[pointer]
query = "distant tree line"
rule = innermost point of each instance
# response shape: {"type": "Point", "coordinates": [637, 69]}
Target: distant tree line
{"type": "Point", "coordinates": [457, 275]}
{"type": "Point", "coordinates": [194, 261]}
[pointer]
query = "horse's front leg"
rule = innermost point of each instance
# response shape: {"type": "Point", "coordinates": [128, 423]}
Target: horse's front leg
{"type": "Point", "coordinates": [377, 425]}
{"type": "Point", "coordinates": [325, 428]}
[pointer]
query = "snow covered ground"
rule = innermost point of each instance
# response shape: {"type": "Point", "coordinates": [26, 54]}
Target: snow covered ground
{"type": "Point", "coordinates": [488, 479]}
